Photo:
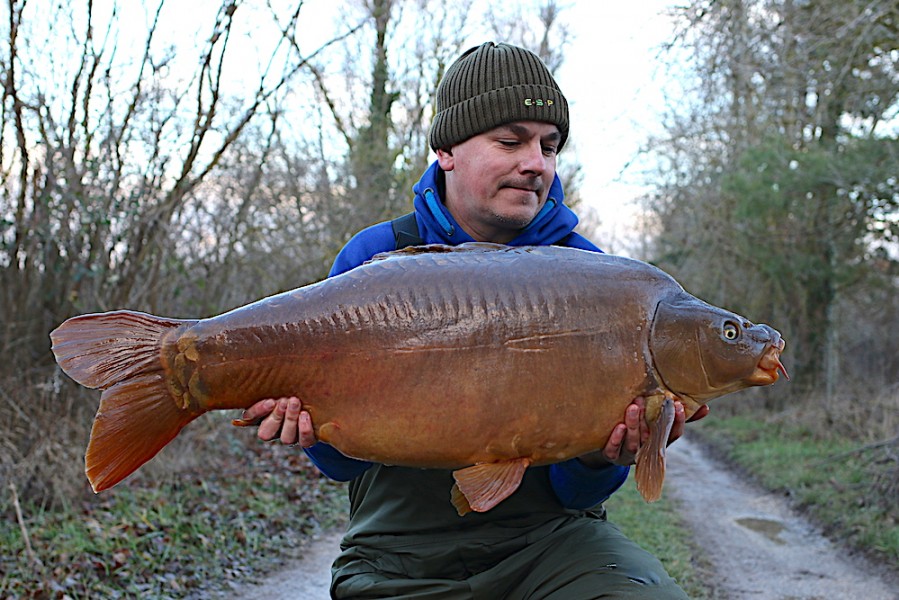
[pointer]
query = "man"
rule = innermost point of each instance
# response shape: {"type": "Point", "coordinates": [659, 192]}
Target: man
{"type": "Point", "coordinates": [501, 120]}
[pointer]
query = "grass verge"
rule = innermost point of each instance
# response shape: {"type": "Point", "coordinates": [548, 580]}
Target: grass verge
{"type": "Point", "coordinates": [174, 540]}
{"type": "Point", "coordinates": [848, 487]}
{"type": "Point", "coordinates": [659, 529]}
{"type": "Point", "coordinates": [191, 537]}
{"type": "Point", "coordinates": [195, 538]}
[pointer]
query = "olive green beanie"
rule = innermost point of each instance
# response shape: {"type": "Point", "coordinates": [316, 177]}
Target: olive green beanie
{"type": "Point", "coordinates": [491, 85]}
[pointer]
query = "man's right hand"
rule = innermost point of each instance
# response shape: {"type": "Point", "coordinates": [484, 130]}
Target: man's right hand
{"type": "Point", "coordinates": [281, 418]}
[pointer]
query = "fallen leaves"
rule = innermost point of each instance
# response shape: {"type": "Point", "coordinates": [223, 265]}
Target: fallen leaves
{"type": "Point", "coordinates": [184, 538]}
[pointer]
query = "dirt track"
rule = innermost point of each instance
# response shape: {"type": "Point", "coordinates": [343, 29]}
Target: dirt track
{"type": "Point", "coordinates": [758, 547]}
{"type": "Point", "coordinates": [305, 579]}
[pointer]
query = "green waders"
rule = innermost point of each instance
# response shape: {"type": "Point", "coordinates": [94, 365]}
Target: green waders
{"type": "Point", "coordinates": [405, 540]}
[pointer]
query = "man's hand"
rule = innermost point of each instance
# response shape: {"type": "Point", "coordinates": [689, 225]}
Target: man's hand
{"type": "Point", "coordinates": [282, 418]}
{"type": "Point", "coordinates": [626, 438]}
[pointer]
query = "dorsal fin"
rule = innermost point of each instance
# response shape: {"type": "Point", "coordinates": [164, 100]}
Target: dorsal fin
{"type": "Point", "coordinates": [482, 247]}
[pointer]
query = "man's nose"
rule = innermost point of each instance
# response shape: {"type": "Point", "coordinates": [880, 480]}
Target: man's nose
{"type": "Point", "coordinates": [533, 159]}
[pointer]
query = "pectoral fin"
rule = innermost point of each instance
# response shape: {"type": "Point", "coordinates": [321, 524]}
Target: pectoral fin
{"type": "Point", "coordinates": [650, 472]}
{"type": "Point", "coordinates": [481, 487]}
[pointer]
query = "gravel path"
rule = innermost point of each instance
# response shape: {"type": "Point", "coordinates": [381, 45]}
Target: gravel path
{"type": "Point", "coordinates": [306, 579]}
{"type": "Point", "coordinates": [758, 547]}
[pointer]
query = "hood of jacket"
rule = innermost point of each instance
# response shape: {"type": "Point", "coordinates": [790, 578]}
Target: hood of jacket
{"type": "Point", "coordinates": [437, 225]}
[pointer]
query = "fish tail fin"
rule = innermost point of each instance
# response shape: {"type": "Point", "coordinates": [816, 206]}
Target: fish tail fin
{"type": "Point", "coordinates": [650, 470]}
{"type": "Point", "coordinates": [120, 353]}
{"type": "Point", "coordinates": [136, 419]}
{"type": "Point", "coordinates": [100, 350]}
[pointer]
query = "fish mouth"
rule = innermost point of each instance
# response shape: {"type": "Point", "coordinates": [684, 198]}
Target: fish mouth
{"type": "Point", "coordinates": [770, 367]}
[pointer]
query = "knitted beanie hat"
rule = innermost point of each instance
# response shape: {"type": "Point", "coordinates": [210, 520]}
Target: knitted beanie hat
{"type": "Point", "coordinates": [491, 85]}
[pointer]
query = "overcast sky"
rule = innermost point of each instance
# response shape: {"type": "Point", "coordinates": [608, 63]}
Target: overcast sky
{"type": "Point", "coordinates": [614, 89]}
{"type": "Point", "coordinates": [609, 76]}
{"type": "Point", "coordinates": [615, 92]}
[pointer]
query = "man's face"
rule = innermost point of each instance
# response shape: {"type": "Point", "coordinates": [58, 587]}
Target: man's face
{"type": "Point", "coordinates": [497, 181]}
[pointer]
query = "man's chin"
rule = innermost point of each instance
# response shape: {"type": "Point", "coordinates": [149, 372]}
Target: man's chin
{"type": "Point", "coordinates": [515, 219]}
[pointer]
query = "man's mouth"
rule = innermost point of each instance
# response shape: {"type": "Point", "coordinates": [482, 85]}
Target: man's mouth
{"type": "Point", "coordinates": [523, 186]}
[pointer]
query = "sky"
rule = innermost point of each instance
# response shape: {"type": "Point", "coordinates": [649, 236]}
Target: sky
{"type": "Point", "coordinates": [614, 88]}
{"type": "Point", "coordinates": [615, 93]}
{"type": "Point", "coordinates": [609, 75]}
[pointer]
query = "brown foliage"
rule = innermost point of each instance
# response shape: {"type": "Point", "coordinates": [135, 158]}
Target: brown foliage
{"type": "Point", "coordinates": [124, 187]}
{"type": "Point", "coordinates": [131, 182]}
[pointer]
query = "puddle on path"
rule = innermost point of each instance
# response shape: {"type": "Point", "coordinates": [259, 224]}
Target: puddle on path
{"type": "Point", "coordinates": [769, 528]}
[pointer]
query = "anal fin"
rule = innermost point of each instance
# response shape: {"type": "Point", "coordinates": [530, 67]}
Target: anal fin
{"type": "Point", "coordinates": [481, 487]}
{"type": "Point", "coordinates": [650, 470]}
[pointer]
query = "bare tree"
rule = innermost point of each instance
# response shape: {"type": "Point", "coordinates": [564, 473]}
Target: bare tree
{"type": "Point", "coordinates": [136, 174]}
{"type": "Point", "coordinates": [107, 167]}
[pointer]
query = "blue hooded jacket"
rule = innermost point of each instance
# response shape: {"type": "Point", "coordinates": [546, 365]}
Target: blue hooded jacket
{"type": "Point", "coordinates": [576, 485]}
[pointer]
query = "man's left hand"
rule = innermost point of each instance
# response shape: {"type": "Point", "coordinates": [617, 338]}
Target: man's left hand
{"type": "Point", "coordinates": [627, 437]}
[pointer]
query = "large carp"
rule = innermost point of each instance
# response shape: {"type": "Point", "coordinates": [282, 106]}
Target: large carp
{"type": "Point", "coordinates": [480, 358]}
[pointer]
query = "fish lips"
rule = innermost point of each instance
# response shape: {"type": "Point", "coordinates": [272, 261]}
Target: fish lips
{"type": "Point", "coordinates": [770, 366]}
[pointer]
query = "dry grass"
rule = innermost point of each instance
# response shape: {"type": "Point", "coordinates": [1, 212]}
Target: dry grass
{"type": "Point", "coordinates": [862, 415]}
{"type": "Point", "coordinates": [865, 412]}
{"type": "Point", "coordinates": [43, 436]}
{"type": "Point", "coordinates": [46, 431]}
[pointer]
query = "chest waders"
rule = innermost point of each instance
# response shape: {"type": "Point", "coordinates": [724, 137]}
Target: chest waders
{"type": "Point", "coordinates": [406, 540]}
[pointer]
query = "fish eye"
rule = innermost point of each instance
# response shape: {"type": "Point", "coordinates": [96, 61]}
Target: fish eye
{"type": "Point", "coordinates": [731, 331]}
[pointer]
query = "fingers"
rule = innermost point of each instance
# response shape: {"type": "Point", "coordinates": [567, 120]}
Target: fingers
{"type": "Point", "coordinates": [612, 451]}
{"type": "Point", "coordinates": [701, 412]}
{"type": "Point", "coordinates": [270, 427]}
{"type": "Point", "coordinates": [307, 434]}
{"type": "Point", "coordinates": [637, 429]}
{"type": "Point", "coordinates": [297, 425]}
{"type": "Point", "coordinates": [290, 426]}
{"type": "Point", "coordinates": [680, 420]}
{"type": "Point", "coordinates": [253, 415]}
{"type": "Point", "coordinates": [626, 438]}
{"type": "Point", "coordinates": [677, 429]}
{"type": "Point", "coordinates": [286, 422]}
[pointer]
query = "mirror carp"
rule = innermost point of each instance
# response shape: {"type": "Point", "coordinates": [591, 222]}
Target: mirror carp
{"type": "Point", "coordinates": [480, 358]}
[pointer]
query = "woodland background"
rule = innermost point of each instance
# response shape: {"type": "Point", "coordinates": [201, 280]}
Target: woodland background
{"type": "Point", "coordinates": [130, 183]}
